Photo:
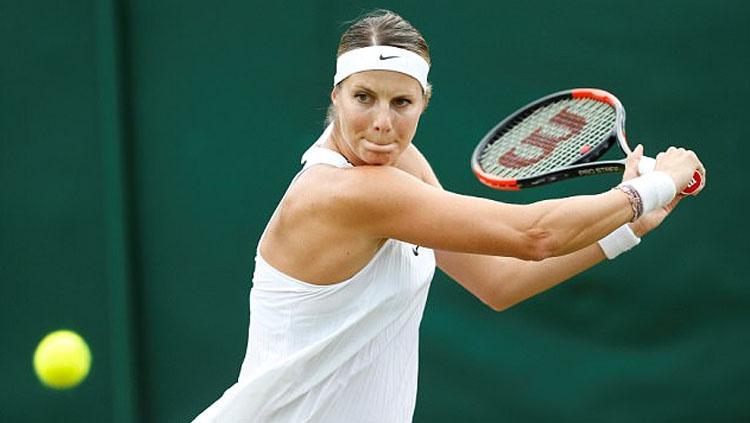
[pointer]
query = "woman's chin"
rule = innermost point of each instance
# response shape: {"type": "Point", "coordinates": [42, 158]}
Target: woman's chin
{"type": "Point", "coordinates": [378, 159]}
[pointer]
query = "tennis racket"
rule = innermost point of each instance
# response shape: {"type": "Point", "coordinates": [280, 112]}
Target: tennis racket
{"type": "Point", "coordinates": [557, 137]}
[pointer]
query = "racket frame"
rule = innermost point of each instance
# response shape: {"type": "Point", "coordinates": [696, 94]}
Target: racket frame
{"type": "Point", "coordinates": [584, 165]}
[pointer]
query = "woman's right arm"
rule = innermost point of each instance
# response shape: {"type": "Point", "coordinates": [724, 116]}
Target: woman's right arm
{"type": "Point", "coordinates": [385, 202]}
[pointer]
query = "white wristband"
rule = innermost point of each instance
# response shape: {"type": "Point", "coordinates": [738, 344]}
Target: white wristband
{"type": "Point", "coordinates": [656, 190]}
{"type": "Point", "coordinates": [620, 240]}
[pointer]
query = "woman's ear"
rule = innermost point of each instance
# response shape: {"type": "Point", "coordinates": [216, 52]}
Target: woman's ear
{"type": "Point", "coordinates": [334, 93]}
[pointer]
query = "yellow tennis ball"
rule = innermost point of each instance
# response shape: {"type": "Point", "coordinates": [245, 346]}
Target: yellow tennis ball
{"type": "Point", "coordinates": [62, 360]}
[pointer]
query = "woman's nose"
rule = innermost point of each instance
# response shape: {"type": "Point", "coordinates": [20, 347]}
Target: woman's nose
{"type": "Point", "coordinates": [382, 122]}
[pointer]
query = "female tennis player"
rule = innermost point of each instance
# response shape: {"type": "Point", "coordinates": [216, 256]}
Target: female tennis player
{"type": "Point", "coordinates": [345, 263]}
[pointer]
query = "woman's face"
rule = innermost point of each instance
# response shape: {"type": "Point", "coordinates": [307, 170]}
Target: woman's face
{"type": "Point", "coordinates": [376, 116]}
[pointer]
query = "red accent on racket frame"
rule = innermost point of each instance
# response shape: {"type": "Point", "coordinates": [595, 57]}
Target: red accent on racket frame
{"type": "Point", "coordinates": [595, 94]}
{"type": "Point", "coordinates": [502, 184]}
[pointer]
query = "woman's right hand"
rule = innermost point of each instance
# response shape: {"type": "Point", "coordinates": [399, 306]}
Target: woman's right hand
{"type": "Point", "coordinates": [680, 165]}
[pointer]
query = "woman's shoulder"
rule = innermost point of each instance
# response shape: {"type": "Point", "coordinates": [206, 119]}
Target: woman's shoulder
{"type": "Point", "coordinates": [321, 184]}
{"type": "Point", "coordinates": [412, 161]}
{"type": "Point", "coordinates": [344, 194]}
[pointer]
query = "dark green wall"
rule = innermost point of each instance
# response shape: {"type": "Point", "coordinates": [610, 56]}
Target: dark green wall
{"type": "Point", "coordinates": [144, 145]}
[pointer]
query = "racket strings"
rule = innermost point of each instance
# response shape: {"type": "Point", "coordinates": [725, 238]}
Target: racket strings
{"type": "Point", "coordinates": [548, 133]}
{"type": "Point", "coordinates": [547, 138]}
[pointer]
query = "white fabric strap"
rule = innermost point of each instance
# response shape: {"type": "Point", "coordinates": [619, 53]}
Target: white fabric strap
{"type": "Point", "coordinates": [620, 240]}
{"type": "Point", "coordinates": [382, 58]}
{"type": "Point", "coordinates": [656, 190]}
{"type": "Point", "coordinates": [317, 154]}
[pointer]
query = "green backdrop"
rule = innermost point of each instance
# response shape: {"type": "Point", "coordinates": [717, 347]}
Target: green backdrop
{"type": "Point", "coordinates": [144, 145]}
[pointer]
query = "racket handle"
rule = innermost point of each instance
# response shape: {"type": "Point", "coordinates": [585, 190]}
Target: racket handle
{"type": "Point", "coordinates": [647, 165]}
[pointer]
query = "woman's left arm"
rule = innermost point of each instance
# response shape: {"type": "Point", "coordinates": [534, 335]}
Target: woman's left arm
{"type": "Point", "coordinates": [501, 282]}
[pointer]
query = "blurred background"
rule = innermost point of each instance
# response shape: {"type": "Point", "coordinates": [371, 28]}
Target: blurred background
{"type": "Point", "coordinates": [144, 145]}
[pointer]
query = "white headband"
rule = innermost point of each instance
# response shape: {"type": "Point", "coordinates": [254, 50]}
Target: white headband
{"type": "Point", "coordinates": [382, 58]}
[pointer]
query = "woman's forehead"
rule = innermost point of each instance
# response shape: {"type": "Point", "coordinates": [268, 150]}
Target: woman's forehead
{"type": "Point", "coordinates": [384, 81]}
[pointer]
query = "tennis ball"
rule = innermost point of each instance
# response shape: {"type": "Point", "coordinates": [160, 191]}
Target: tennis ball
{"type": "Point", "coordinates": [62, 359]}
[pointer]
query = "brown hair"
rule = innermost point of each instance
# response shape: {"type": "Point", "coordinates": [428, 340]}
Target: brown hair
{"type": "Point", "coordinates": [382, 28]}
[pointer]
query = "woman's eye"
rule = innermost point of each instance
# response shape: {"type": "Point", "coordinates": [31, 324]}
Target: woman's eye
{"type": "Point", "coordinates": [402, 102]}
{"type": "Point", "coordinates": [362, 97]}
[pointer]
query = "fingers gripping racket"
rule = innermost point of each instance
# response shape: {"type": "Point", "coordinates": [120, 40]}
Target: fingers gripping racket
{"type": "Point", "coordinates": [557, 137]}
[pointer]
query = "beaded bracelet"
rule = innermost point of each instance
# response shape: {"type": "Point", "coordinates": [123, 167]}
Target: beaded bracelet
{"type": "Point", "coordinates": [636, 202]}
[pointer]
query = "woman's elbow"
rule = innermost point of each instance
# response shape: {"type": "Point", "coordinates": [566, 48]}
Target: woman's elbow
{"type": "Point", "coordinates": [498, 307]}
{"type": "Point", "coordinates": [498, 299]}
{"type": "Point", "coordinates": [500, 304]}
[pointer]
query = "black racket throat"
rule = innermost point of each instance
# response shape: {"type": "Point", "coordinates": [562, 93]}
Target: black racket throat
{"type": "Point", "coordinates": [582, 169]}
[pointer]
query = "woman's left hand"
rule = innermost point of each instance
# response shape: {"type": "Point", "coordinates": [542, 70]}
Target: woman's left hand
{"type": "Point", "coordinates": [651, 220]}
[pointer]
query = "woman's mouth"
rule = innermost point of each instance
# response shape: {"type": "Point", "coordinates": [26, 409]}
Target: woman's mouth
{"type": "Point", "coordinates": [378, 147]}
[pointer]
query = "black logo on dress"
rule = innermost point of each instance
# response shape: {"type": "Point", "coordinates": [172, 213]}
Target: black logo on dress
{"type": "Point", "coordinates": [415, 250]}
{"type": "Point", "coordinates": [387, 57]}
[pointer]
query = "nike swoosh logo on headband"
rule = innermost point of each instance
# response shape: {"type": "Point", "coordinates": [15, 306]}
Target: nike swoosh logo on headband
{"type": "Point", "coordinates": [387, 57]}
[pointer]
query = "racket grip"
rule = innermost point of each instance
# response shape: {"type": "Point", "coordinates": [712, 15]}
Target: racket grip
{"type": "Point", "coordinates": [647, 165]}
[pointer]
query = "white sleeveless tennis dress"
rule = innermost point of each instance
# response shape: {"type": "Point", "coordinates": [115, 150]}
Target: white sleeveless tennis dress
{"type": "Point", "coordinates": [342, 353]}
